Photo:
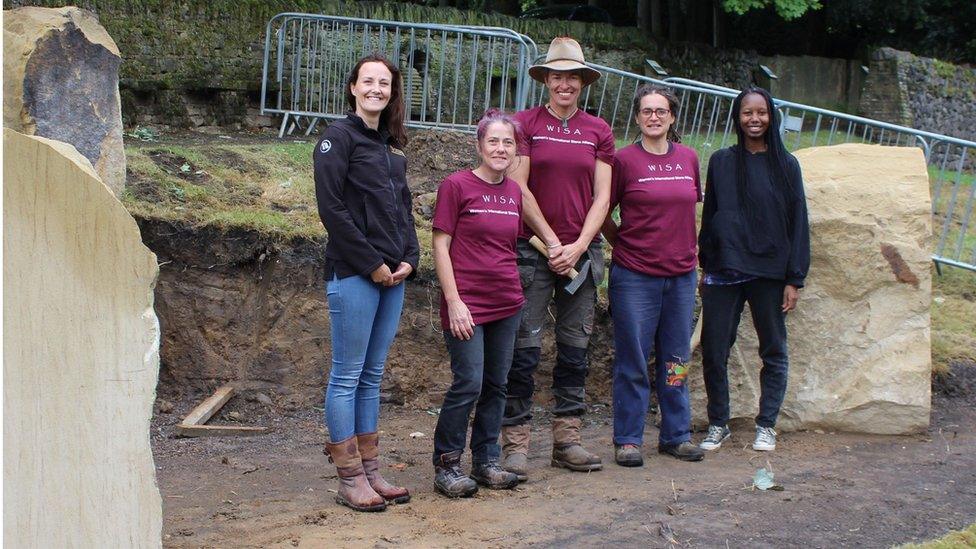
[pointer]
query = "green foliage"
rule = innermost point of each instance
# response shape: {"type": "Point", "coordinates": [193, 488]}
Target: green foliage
{"type": "Point", "coordinates": [143, 133]}
{"type": "Point", "coordinates": [943, 69]}
{"type": "Point", "coordinates": [787, 9]}
{"type": "Point", "coordinates": [945, 29]}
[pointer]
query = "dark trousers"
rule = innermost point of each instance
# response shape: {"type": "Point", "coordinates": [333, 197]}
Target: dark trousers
{"type": "Point", "coordinates": [480, 366]}
{"type": "Point", "coordinates": [721, 309]}
{"type": "Point", "coordinates": [574, 323]}
{"type": "Point", "coordinates": [651, 313]}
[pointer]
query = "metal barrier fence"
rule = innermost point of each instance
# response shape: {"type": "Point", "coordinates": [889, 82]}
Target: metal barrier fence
{"type": "Point", "coordinates": [451, 74]}
{"type": "Point", "coordinates": [705, 123]}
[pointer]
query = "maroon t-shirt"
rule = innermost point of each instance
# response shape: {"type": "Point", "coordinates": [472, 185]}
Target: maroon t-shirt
{"type": "Point", "coordinates": [657, 195]}
{"type": "Point", "coordinates": [562, 163]}
{"type": "Point", "coordinates": [483, 220]}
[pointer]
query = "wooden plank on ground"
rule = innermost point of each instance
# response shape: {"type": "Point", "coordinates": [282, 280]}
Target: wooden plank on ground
{"type": "Point", "coordinates": [217, 430]}
{"type": "Point", "coordinates": [206, 409]}
{"type": "Point", "coordinates": [193, 424]}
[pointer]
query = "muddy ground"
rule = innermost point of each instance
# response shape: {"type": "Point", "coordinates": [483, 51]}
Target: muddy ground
{"type": "Point", "coordinates": [839, 489]}
{"type": "Point", "coordinates": [240, 307]}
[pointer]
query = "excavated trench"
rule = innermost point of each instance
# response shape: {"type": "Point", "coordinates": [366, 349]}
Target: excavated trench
{"type": "Point", "coordinates": [236, 306]}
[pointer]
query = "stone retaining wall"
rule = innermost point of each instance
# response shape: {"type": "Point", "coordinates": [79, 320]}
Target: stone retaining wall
{"type": "Point", "coordinates": [924, 93]}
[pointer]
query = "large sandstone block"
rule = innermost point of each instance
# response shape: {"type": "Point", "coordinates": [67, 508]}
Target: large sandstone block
{"type": "Point", "coordinates": [61, 81]}
{"type": "Point", "coordinates": [80, 357]}
{"type": "Point", "coordinates": [860, 356]}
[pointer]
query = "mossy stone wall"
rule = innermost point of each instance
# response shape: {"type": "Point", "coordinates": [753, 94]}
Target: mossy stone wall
{"type": "Point", "coordinates": [215, 49]}
{"type": "Point", "coordinates": [198, 63]}
{"type": "Point", "coordinates": [920, 92]}
{"type": "Point", "coordinates": [219, 43]}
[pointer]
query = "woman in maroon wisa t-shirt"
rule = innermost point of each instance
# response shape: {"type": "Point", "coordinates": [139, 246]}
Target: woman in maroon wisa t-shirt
{"type": "Point", "coordinates": [476, 222]}
{"type": "Point", "coordinates": [652, 282]}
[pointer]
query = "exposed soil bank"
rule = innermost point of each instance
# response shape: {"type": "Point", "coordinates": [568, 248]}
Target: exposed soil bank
{"type": "Point", "coordinates": [236, 306]}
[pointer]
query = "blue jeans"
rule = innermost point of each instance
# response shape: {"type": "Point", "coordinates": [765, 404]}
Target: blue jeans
{"type": "Point", "coordinates": [721, 310]}
{"type": "Point", "coordinates": [480, 367]}
{"type": "Point", "coordinates": [651, 312]}
{"type": "Point", "coordinates": [364, 317]}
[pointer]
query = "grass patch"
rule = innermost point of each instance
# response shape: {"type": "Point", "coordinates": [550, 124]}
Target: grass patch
{"type": "Point", "coordinates": [271, 223]}
{"type": "Point", "coordinates": [953, 318]}
{"type": "Point", "coordinates": [953, 540]}
{"type": "Point", "coordinates": [266, 187]}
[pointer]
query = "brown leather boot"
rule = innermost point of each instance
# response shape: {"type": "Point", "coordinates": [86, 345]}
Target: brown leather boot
{"type": "Point", "coordinates": [369, 449]}
{"type": "Point", "coordinates": [354, 489]}
{"type": "Point", "coordinates": [515, 450]}
{"type": "Point", "coordinates": [566, 449]}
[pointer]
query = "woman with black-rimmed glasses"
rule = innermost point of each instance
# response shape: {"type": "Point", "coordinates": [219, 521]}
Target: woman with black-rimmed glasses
{"type": "Point", "coordinates": [652, 279]}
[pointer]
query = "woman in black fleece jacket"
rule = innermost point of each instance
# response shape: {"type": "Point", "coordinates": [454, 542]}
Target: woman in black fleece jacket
{"type": "Point", "coordinates": [364, 202]}
{"type": "Point", "coordinates": [754, 247]}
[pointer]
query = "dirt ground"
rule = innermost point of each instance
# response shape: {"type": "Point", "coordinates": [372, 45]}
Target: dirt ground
{"type": "Point", "coordinates": [276, 490]}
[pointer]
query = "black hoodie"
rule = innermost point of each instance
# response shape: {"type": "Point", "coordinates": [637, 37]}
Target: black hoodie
{"type": "Point", "coordinates": [363, 200]}
{"type": "Point", "coordinates": [779, 247]}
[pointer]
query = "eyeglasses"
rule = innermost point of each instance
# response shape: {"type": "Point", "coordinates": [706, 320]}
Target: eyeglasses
{"type": "Point", "coordinates": [661, 113]}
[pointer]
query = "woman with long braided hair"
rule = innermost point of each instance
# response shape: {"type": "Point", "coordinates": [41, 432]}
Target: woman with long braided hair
{"type": "Point", "coordinates": [754, 247]}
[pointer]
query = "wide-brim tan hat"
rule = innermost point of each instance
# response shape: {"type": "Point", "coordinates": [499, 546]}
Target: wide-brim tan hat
{"type": "Point", "coordinates": [565, 54]}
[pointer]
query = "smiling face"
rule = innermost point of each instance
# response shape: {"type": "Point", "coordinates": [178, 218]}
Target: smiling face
{"type": "Point", "coordinates": [754, 116]}
{"type": "Point", "coordinates": [564, 88]}
{"type": "Point", "coordinates": [497, 147]}
{"type": "Point", "coordinates": [372, 89]}
{"type": "Point", "coordinates": [654, 117]}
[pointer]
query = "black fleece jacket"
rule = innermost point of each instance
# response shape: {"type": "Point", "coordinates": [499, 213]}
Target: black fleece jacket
{"type": "Point", "coordinates": [779, 246]}
{"type": "Point", "coordinates": [363, 200]}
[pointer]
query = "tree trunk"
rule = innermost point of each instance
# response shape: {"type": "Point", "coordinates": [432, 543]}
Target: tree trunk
{"type": "Point", "coordinates": [657, 19]}
{"type": "Point", "coordinates": [674, 20]}
{"type": "Point", "coordinates": [691, 20]}
{"type": "Point", "coordinates": [643, 19]}
{"type": "Point", "coordinates": [719, 21]}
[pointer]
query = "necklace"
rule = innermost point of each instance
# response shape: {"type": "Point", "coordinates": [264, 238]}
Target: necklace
{"type": "Point", "coordinates": [565, 121]}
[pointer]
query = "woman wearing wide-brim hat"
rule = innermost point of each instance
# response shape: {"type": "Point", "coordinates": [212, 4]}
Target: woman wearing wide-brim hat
{"type": "Point", "coordinates": [564, 167]}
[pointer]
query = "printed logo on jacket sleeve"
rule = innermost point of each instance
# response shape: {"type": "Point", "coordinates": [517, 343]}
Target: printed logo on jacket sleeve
{"type": "Point", "coordinates": [325, 146]}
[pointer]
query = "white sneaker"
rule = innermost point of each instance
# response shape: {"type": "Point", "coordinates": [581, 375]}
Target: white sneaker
{"type": "Point", "coordinates": [765, 439]}
{"type": "Point", "coordinates": [715, 437]}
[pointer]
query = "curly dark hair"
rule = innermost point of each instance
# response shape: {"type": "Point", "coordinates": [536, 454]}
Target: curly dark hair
{"type": "Point", "coordinates": [673, 103]}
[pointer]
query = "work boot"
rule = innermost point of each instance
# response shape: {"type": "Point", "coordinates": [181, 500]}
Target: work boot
{"type": "Point", "coordinates": [628, 455]}
{"type": "Point", "coordinates": [515, 450]}
{"type": "Point", "coordinates": [566, 449]}
{"type": "Point", "coordinates": [369, 449]}
{"type": "Point", "coordinates": [450, 480]}
{"type": "Point", "coordinates": [354, 489]}
{"type": "Point", "coordinates": [685, 451]}
{"type": "Point", "coordinates": [490, 475]}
